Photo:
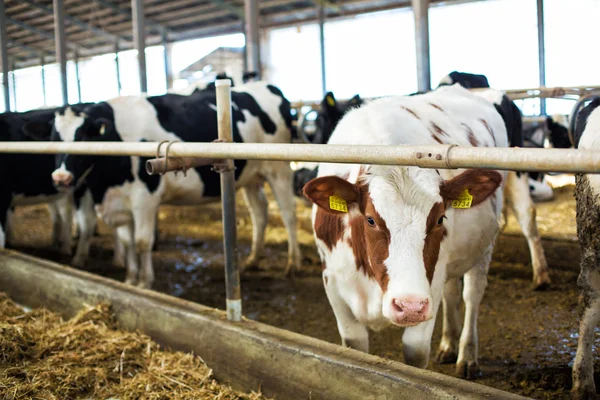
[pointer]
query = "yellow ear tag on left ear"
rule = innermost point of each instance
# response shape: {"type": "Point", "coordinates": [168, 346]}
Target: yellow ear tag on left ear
{"type": "Point", "coordinates": [338, 204]}
{"type": "Point", "coordinates": [464, 200]}
{"type": "Point", "coordinates": [330, 101]}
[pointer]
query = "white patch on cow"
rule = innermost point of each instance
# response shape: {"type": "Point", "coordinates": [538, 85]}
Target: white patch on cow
{"type": "Point", "coordinates": [67, 124]}
{"type": "Point", "coordinates": [493, 95]}
{"type": "Point", "coordinates": [590, 139]}
{"type": "Point", "coordinates": [212, 106]}
{"type": "Point", "coordinates": [447, 80]}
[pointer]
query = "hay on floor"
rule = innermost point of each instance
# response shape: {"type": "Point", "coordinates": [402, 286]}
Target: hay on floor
{"type": "Point", "coordinates": [87, 357]}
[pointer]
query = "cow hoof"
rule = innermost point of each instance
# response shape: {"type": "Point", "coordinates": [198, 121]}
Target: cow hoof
{"type": "Point", "coordinates": [468, 370]}
{"type": "Point", "coordinates": [78, 262]}
{"type": "Point", "coordinates": [541, 282]}
{"type": "Point", "coordinates": [119, 262]}
{"type": "Point", "coordinates": [251, 264]}
{"type": "Point", "coordinates": [144, 285]}
{"type": "Point", "coordinates": [130, 281]}
{"type": "Point", "coordinates": [446, 356]}
{"type": "Point", "coordinates": [587, 392]}
{"type": "Point", "coordinates": [290, 270]}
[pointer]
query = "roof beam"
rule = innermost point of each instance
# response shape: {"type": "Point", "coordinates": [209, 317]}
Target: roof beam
{"type": "Point", "coordinates": [237, 11]}
{"type": "Point", "coordinates": [41, 33]}
{"type": "Point", "coordinates": [82, 24]}
{"type": "Point", "coordinates": [158, 28]}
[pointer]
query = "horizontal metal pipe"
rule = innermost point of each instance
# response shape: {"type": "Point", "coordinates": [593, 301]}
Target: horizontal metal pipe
{"type": "Point", "coordinates": [433, 156]}
{"type": "Point", "coordinates": [163, 165]}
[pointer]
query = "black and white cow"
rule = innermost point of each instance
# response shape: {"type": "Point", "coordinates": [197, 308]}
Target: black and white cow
{"type": "Point", "coordinates": [586, 135]}
{"type": "Point", "coordinates": [26, 181]}
{"type": "Point", "coordinates": [466, 80]}
{"type": "Point", "coordinates": [329, 114]}
{"type": "Point", "coordinates": [553, 132]}
{"type": "Point", "coordinates": [127, 198]}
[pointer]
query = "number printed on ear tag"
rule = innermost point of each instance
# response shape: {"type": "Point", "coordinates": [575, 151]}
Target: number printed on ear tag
{"type": "Point", "coordinates": [464, 200]}
{"type": "Point", "coordinates": [338, 204]}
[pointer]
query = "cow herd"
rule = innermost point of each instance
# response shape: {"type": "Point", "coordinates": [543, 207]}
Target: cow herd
{"type": "Point", "coordinates": [396, 243]}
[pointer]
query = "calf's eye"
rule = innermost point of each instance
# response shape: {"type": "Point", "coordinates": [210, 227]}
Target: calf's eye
{"type": "Point", "coordinates": [441, 220]}
{"type": "Point", "coordinates": [370, 221]}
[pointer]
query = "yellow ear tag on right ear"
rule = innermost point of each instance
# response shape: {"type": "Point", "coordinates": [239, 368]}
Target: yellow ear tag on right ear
{"type": "Point", "coordinates": [330, 101]}
{"type": "Point", "coordinates": [464, 200]}
{"type": "Point", "coordinates": [336, 203]}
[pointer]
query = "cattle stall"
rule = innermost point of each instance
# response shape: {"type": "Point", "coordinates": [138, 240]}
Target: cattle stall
{"type": "Point", "coordinates": [160, 315]}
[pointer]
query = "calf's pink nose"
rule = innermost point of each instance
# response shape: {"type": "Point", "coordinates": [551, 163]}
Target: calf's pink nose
{"type": "Point", "coordinates": [62, 178]}
{"type": "Point", "coordinates": [410, 309]}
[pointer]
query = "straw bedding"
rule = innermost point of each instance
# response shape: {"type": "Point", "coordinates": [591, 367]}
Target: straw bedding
{"type": "Point", "coordinates": [87, 357]}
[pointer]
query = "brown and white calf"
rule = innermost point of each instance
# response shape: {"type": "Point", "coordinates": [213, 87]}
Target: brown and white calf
{"type": "Point", "coordinates": [392, 242]}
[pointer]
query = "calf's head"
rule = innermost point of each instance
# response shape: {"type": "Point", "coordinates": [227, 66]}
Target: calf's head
{"type": "Point", "coordinates": [72, 126]}
{"type": "Point", "coordinates": [393, 219]}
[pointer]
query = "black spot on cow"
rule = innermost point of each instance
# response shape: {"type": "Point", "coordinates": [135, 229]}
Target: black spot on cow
{"type": "Point", "coordinates": [285, 109]}
{"type": "Point", "coordinates": [581, 120]}
{"type": "Point", "coordinates": [151, 181]}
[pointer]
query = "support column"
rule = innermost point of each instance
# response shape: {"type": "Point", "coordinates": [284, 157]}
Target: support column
{"type": "Point", "coordinates": [421, 11]}
{"type": "Point", "coordinates": [4, 56]}
{"type": "Point", "coordinates": [43, 73]}
{"type": "Point", "coordinates": [321, 12]}
{"type": "Point", "coordinates": [541, 51]}
{"type": "Point", "coordinates": [61, 54]}
{"type": "Point", "coordinates": [167, 54]}
{"type": "Point", "coordinates": [77, 79]}
{"type": "Point", "coordinates": [139, 39]}
{"type": "Point", "coordinates": [252, 36]}
{"type": "Point", "coordinates": [13, 84]}
{"type": "Point", "coordinates": [118, 68]}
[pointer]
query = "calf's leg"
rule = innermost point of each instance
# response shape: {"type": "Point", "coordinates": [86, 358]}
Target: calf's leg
{"type": "Point", "coordinates": [65, 212]}
{"type": "Point", "coordinates": [255, 198]}
{"type": "Point", "coordinates": [281, 178]}
{"type": "Point", "coordinates": [145, 223]}
{"type": "Point", "coordinates": [519, 198]}
{"type": "Point", "coordinates": [448, 350]}
{"type": "Point", "coordinates": [475, 282]}
{"type": "Point", "coordinates": [354, 334]}
{"type": "Point", "coordinates": [86, 221]}
{"type": "Point", "coordinates": [125, 235]}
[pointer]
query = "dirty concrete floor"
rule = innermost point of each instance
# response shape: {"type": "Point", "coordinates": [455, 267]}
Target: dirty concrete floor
{"type": "Point", "coordinates": [527, 339]}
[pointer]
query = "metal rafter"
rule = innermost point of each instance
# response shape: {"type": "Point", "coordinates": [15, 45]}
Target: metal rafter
{"type": "Point", "coordinates": [238, 11]}
{"type": "Point", "coordinates": [158, 28]}
{"type": "Point", "coordinates": [82, 24]}
{"type": "Point", "coordinates": [41, 33]}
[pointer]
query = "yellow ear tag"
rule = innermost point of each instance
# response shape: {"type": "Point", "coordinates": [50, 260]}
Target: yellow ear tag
{"type": "Point", "coordinates": [463, 201]}
{"type": "Point", "coordinates": [330, 101]}
{"type": "Point", "coordinates": [338, 204]}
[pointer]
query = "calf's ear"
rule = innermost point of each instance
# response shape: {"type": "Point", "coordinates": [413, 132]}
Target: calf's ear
{"type": "Point", "coordinates": [37, 130]}
{"type": "Point", "coordinates": [473, 185]}
{"type": "Point", "coordinates": [332, 193]}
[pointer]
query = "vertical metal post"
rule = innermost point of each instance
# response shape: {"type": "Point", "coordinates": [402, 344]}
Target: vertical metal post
{"type": "Point", "coordinates": [232, 274]}
{"type": "Point", "coordinates": [252, 36]}
{"type": "Point", "coordinates": [321, 12]}
{"type": "Point", "coordinates": [245, 46]}
{"type": "Point", "coordinates": [167, 61]}
{"type": "Point", "coordinates": [118, 68]}
{"type": "Point", "coordinates": [43, 73]}
{"type": "Point", "coordinates": [421, 11]}
{"type": "Point", "coordinates": [139, 39]}
{"type": "Point", "coordinates": [61, 53]}
{"type": "Point", "coordinates": [14, 84]}
{"type": "Point", "coordinates": [77, 78]}
{"type": "Point", "coordinates": [541, 51]}
{"type": "Point", "coordinates": [4, 56]}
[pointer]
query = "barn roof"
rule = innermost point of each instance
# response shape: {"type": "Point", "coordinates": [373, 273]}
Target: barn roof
{"type": "Point", "coordinates": [96, 26]}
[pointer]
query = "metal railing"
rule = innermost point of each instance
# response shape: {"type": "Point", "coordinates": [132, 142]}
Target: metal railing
{"type": "Point", "coordinates": [426, 156]}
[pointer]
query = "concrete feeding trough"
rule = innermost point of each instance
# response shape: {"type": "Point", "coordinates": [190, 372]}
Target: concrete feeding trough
{"type": "Point", "coordinates": [246, 355]}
